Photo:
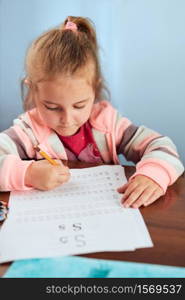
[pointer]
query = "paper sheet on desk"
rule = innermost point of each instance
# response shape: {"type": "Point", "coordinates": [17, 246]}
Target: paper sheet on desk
{"type": "Point", "coordinates": [81, 216]}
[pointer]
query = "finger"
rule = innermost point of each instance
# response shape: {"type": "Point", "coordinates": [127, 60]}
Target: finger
{"type": "Point", "coordinates": [133, 196]}
{"type": "Point", "coordinates": [63, 169]}
{"type": "Point", "coordinates": [156, 195]}
{"type": "Point", "coordinates": [144, 197]}
{"type": "Point", "coordinates": [62, 164]}
{"type": "Point", "coordinates": [64, 178]}
{"type": "Point", "coordinates": [122, 188]}
{"type": "Point", "coordinates": [130, 188]}
{"type": "Point", "coordinates": [64, 172]}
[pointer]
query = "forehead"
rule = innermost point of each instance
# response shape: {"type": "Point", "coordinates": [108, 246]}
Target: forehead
{"type": "Point", "coordinates": [80, 80]}
{"type": "Point", "coordinates": [65, 90]}
{"type": "Point", "coordinates": [87, 72]}
{"type": "Point", "coordinates": [77, 85]}
{"type": "Point", "coordinates": [64, 85]}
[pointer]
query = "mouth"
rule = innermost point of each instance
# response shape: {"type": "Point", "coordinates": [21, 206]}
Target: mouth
{"type": "Point", "coordinates": [67, 130]}
{"type": "Point", "coordinates": [65, 127]}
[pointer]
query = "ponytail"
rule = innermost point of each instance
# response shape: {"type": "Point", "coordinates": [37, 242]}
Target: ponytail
{"type": "Point", "coordinates": [66, 49]}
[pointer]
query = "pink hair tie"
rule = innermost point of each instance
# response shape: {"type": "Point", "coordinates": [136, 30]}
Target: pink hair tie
{"type": "Point", "coordinates": [70, 25]}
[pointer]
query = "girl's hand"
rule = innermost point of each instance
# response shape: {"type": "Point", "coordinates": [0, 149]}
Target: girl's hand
{"type": "Point", "coordinates": [43, 176]}
{"type": "Point", "coordinates": [141, 190]}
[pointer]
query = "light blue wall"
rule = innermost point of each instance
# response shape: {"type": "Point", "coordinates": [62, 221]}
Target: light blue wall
{"type": "Point", "coordinates": [142, 53]}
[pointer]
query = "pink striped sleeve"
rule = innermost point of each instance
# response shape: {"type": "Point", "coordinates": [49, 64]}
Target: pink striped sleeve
{"type": "Point", "coordinates": [12, 173]}
{"type": "Point", "coordinates": [121, 127]}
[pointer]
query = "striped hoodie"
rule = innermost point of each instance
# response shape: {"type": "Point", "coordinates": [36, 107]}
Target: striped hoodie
{"type": "Point", "coordinates": [155, 156]}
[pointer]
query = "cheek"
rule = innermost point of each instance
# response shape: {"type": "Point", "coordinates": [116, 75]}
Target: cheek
{"type": "Point", "coordinates": [48, 117]}
{"type": "Point", "coordinates": [87, 111]}
{"type": "Point", "coordinates": [84, 115]}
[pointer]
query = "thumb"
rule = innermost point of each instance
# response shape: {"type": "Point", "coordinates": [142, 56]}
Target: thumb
{"type": "Point", "coordinates": [62, 166]}
{"type": "Point", "coordinates": [122, 188]}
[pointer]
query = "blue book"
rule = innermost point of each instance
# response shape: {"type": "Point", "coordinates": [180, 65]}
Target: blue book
{"type": "Point", "coordinates": [82, 267]}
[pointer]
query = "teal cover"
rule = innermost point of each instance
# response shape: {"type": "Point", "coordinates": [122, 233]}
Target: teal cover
{"type": "Point", "coordinates": [82, 267]}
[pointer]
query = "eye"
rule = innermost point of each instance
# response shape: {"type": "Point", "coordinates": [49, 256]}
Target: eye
{"type": "Point", "coordinates": [52, 108]}
{"type": "Point", "coordinates": [79, 107]}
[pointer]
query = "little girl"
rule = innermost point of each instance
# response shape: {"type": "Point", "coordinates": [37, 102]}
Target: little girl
{"type": "Point", "coordinates": [67, 118]}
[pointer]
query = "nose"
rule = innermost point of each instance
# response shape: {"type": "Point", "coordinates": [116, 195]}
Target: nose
{"type": "Point", "coordinates": [66, 118]}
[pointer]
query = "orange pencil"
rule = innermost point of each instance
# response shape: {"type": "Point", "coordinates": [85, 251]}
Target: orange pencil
{"type": "Point", "coordinates": [46, 156]}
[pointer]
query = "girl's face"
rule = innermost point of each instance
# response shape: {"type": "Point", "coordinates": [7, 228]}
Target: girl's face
{"type": "Point", "coordinates": [65, 103]}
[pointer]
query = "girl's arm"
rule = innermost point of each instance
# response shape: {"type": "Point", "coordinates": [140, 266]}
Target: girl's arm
{"type": "Point", "coordinates": [155, 156]}
{"type": "Point", "coordinates": [16, 155]}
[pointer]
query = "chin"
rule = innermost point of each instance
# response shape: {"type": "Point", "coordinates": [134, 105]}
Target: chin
{"type": "Point", "coordinates": [67, 132]}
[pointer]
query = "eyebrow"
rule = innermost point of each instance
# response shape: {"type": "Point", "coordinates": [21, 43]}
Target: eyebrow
{"type": "Point", "coordinates": [49, 102]}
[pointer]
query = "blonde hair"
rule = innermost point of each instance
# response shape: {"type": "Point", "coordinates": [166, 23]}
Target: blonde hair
{"type": "Point", "coordinates": [60, 51]}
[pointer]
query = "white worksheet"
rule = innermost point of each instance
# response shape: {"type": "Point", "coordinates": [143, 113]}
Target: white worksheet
{"type": "Point", "coordinates": [81, 216]}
